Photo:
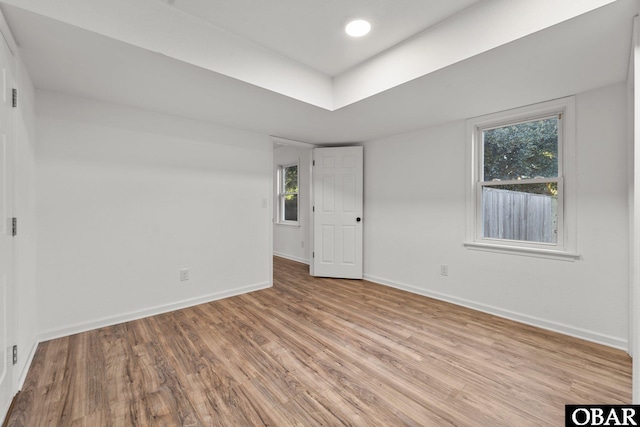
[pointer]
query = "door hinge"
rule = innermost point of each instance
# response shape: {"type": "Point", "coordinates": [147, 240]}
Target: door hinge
{"type": "Point", "coordinates": [14, 226]}
{"type": "Point", "coordinates": [314, 209]}
{"type": "Point", "coordinates": [313, 255]}
{"type": "Point", "coordinates": [14, 96]}
{"type": "Point", "coordinates": [15, 354]}
{"type": "Point", "coordinates": [314, 163]}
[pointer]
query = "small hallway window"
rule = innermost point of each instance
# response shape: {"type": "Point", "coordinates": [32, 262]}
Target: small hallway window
{"type": "Point", "coordinates": [288, 206]}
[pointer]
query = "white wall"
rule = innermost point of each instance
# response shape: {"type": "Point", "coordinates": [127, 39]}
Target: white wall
{"type": "Point", "coordinates": [633, 102]}
{"type": "Point", "coordinates": [25, 211]}
{"type": "Point", "coordinates": [127, 198]}
{"type": "Point", "coordinates": [415, 209]}
{"type": "Point", "coordinates": [294, 242]}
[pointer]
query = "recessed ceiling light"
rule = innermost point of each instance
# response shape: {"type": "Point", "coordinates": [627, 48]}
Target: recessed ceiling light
{"type": "Point", "coordinates": [358, 28]}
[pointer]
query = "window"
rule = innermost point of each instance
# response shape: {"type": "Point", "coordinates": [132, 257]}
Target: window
{"type": "Point", "coordinates": [288, 194]}
{"type": "Point", "coordinates": [522, 167]}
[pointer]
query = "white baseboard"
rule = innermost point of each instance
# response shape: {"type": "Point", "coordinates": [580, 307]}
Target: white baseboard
{"type": "Point", "coordinates": [140, 314]}
{"type": "Point", "coordinates": [584, 334]}
{"type": "Point", "coordinates": [4, 413]}
{"type": "Point", "coordinates": [291, 257]}
{"type": "Point", "coordinates": [21, 380]}
{"type": "Point", "coordinates": [27, 364]}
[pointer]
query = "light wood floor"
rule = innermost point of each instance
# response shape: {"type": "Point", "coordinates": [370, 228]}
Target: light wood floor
{"type": "Point", "coordinates": [311, 352]}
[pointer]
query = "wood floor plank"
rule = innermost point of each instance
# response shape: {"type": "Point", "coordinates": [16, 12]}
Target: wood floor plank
{"type": "Point", "coordinates": [318, 352]}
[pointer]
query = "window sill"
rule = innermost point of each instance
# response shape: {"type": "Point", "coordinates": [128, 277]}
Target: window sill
{"type": "Point", "coordinates": [519, 250]}
{"type": "Point", "coordinates": [286, 224]}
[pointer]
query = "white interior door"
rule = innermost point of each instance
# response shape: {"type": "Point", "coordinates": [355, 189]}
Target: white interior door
{"type": "Point", "coordinates": [6, 231]}
{"type": "Point", "coordinates": [337, 212]}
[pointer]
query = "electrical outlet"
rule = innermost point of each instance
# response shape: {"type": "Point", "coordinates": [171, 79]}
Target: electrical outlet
{"type": "Point", "coordinates": [444, 270]}
{"type": "Point", "coordinates": [184, 274]}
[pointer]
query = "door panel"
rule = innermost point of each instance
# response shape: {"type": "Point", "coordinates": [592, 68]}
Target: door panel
{"type": "Point", "coordinates": [6, 231]}
{"type": "Point", "coordinates": [328, 243]}
{"type": "Point", "coordinates": [338, 184]}
{"type": "Point", "coordinates": [349, 191]}
{"type": "Point", "coordinates": [4, 224]}
{"type": "Point", "coordinates": [3, 181]}
{"type": "Point", "coordinates": [4, 339]}
{"type": "Point", "coordinates": [349, 255]}
{"type": "Point", "coordinates": [328, 205]}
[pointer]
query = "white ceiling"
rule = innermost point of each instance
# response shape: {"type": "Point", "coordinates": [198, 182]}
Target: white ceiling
{"type": "Point", "coordinates": [312, 32]}
{"type": "Point", "coordinates": [588, 51]}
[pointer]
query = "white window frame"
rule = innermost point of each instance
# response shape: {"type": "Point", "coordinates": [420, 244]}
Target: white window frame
{"type": "Point", "coordinates": [282, 194]}
{"type": "Point", "coordinates": [565, 246]}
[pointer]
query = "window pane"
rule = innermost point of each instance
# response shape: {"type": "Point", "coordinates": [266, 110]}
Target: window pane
{"type": "Point", "coordinates": [291, 207]}
{"type": "Point", "coordinates": [521, 151]}
{"type": "Point", "coordinates": [291, 179]}
{"type": "Point", "coordinates": [526, 212]}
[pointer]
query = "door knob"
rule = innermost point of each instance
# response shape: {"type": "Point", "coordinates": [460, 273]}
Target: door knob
{"type": "Point", "coordinates": [358, 219]}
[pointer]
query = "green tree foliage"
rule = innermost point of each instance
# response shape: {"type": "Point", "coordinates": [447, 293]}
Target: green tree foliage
{"type": "Point", "coordinates": [521, 151]}
{"type": "Point", "coordinates": [291, 193]}
{"type": "Point", "coordinates": [291, 179]}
